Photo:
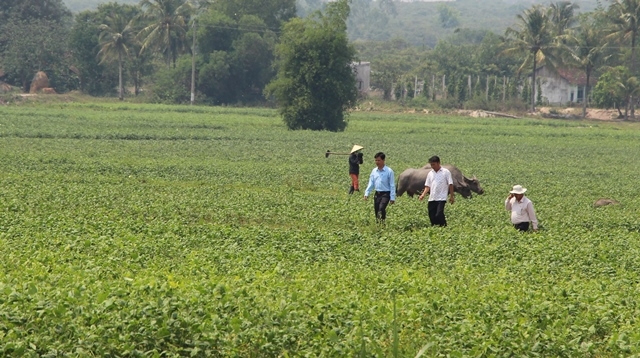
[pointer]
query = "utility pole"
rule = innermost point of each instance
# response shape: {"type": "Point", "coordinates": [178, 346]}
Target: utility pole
{"type": "Point", "coordinates": [193, 64]}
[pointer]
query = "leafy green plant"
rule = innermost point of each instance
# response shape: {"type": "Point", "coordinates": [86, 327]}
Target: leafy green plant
{"type": "Point", "coordinates": [157, 230]}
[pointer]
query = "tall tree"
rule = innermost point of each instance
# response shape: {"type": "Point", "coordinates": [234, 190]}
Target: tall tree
{"type": "Point", "coordinates": [315, 85]}
{"type": "Point", "coordinates": [95, 78]}
{"type": "Point", "coordinates": [116, 36]}
{"type": "Point", "coordinates": [534, 36]}
{"type": "Point", "coordinates": [25, 10]}
{"type": "Point", "coordinates": [615, 88]}
{"type": "Point", "coordinates": [29, 47]}
{"type": "Point", "coordinates": [587, 50]}
{"type": "Point", "coordinates": [625, 18]}
{"type": "Point", "coordinates": [273, 12]}
{"type": "Point", "coordinates": [167, 27]}
{"type": "Point", "coordinates": [562, 16]}
{"type": "Point", "coordinates": [32, 38]}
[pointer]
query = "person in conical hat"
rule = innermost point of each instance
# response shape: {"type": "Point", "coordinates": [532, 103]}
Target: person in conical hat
{"type": "Point", "coordinates": [355, 159]}
{"type": "Point", "coordinates": [522, 212]}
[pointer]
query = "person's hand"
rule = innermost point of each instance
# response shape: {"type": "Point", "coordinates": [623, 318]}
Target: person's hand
{"type": "Point", "coordinates": [365, 197]}
{"type": "Point", "coordinates": [392, 202]}
{"type": "Point", "coordinates": [421, 196]}
{"type": "Point", "coordinates": [452, 199]}
{"type": "Point", "coordinates": [511, 195]}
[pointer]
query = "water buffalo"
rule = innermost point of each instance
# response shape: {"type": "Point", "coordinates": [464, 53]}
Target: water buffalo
{"type": "Point", "coordinates": [604, 202]}
{"type": "Point", "coordinates": [412, 181]}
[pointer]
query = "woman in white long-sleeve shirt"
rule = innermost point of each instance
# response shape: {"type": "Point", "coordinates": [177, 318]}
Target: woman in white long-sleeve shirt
{"type": "Point", "coordinates": [522, 212]}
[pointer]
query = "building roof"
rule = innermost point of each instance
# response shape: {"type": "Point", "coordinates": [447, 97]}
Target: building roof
{"type": "Point", "coordinates": [574, 76]}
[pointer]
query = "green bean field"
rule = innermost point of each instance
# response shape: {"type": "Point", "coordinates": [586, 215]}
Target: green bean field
{"type": "Point", "coordinates": [131, 230]}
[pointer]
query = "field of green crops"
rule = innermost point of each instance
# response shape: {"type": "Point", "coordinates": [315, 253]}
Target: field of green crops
{"type": "Point", "coordinates": [143, 230]}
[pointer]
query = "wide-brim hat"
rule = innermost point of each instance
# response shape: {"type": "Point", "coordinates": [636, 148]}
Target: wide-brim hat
{"type": "Point", "coordinates": [518, 189]}
{"type": "Point", "coordinates": [356, 148]}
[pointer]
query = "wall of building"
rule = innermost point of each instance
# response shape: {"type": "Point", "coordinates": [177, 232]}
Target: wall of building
{"type": "Point", "coordinates": [557, 90]}
{"type": "Point", "coordinates": [363, 76]}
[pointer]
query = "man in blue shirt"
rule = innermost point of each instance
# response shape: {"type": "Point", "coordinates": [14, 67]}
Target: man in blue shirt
{"type": "Point", "coordinates": [382, 179]}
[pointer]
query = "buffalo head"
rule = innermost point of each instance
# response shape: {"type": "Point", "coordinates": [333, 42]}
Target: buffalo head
{"type": "Point", "coordinates": [474, 185]}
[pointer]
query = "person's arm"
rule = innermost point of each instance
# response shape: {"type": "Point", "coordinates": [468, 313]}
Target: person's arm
{"type": "Point", "coordinates": [507, 202]}
{"type": "Point", "coordinates": [532, 216]}
{"type": "Point", "coordinates": [392, 186]}
{"type": "Point", "coordinates": [427, 186]}
{"type": "Point", "coordinates": [369, 186]}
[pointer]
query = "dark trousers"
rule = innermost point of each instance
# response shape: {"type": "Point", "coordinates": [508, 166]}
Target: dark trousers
{"type": "Point", "coordinates": [436, 213]}
{"type": "Point", "coordinates": [522, 226]}
{"type": "Point", "coordinates": [380, 202]}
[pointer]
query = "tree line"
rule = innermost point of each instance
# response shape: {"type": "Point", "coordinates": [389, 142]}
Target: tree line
{"type": "Point", "coordinates": [152, 43]}
{"type": "Point", "coordinates": [600, 43]}
{"type": "Point", "coordinates": [232, 49]}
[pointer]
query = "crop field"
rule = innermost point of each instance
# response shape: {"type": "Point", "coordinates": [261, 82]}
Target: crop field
{"type": "Point", "coordinates": [159, 231]}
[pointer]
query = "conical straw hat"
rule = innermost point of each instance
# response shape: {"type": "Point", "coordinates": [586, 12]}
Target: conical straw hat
{"type": "Point", "coordinates": [356, 148]}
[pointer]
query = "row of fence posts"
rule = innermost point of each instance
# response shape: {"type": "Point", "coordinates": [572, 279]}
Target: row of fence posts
{"type": "Point", "coordinates": [444, 91]}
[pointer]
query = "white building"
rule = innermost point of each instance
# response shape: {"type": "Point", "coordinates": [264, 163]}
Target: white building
{"type": "Point", "coordinates": [363, 76]}
{"type": "Point", "coordinates": [565, 86]}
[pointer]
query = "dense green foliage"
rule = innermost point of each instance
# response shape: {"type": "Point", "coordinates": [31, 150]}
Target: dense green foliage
{"type": "Point", "coordinates": [450, 53]}
{"type": "Point", "coordinates": [33, 36]}
{"type": "Point", "coordinates": [315, 85]}
{"type": "Point", "coordinates": [162, 231]}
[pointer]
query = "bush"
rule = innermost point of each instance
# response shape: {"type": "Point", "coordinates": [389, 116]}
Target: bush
{"type": "Point", "coordinates": [448, 103]}
{"type": "Point", "coordinates": [479, 102]}
{"type": "Point", "coordinates": [173, 85]}
{"type": "Point", "coordinates": [420, 101]}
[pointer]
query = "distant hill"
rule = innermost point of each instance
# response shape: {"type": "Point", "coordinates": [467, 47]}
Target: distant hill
{"type": "Point", "coordinates": [418, 22]}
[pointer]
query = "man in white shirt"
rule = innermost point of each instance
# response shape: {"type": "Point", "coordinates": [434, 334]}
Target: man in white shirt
{"type": "Point", "coordinates": [522, 212]}
{"type": "Point", "coordinates": [437, 185]}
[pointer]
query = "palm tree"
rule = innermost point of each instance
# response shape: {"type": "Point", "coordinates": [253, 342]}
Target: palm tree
{"type": "Point", "coordinates": [534, 35]}
{"type": "Point", "coordinates": [587, 50]}
{"type": "Point", "coordinates": [630, 87]}
{"type": "Point", "coordinates": [167, 26]}
{"type": "Point", "coordinates": [561, 15]}
{"type": "Point", "coordinates": [625, 18]}
{"type": "Point", "coordinates": [115, 38]}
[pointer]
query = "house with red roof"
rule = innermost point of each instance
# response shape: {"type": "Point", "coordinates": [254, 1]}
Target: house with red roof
{"type": "Point", "coordinates": [565, 86]}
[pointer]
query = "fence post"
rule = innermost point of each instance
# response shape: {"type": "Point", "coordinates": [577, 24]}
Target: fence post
{"type": "Point", "coordinates": [444, 86]}
{"type": "Point", "coordinates": [504, 88]}
{"type": "Point", "coordinates": [433, 87]}
{"type": "Point", "coordinates": [486, 95]}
